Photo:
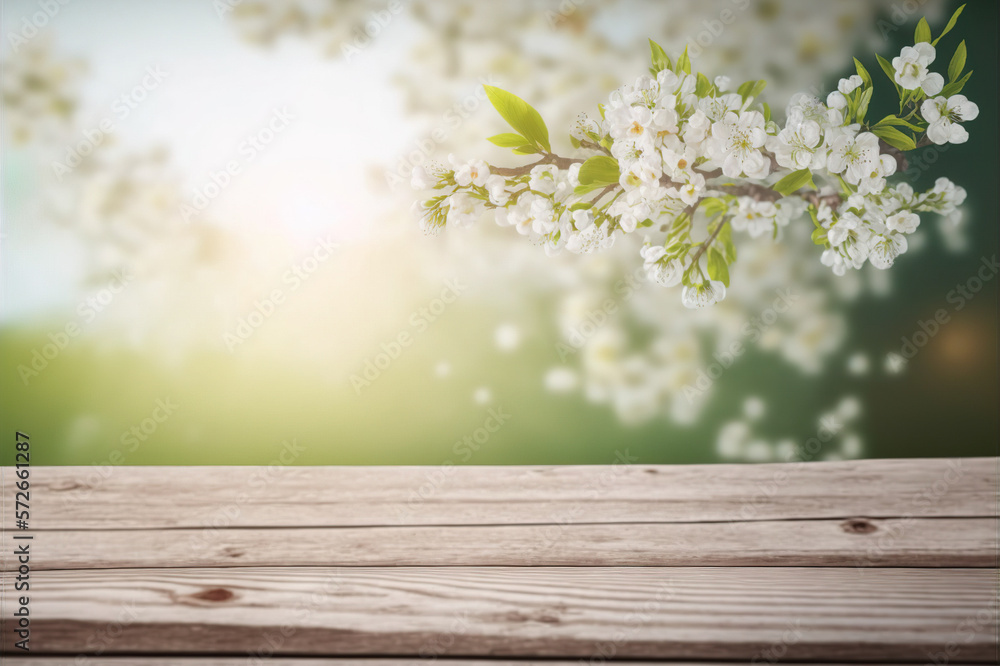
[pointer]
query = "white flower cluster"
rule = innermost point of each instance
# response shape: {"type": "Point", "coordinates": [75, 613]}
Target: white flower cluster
{"type": "Point", "coordinates": [874, 228]}
{"type": "Point", "coordinates": [671, 146]}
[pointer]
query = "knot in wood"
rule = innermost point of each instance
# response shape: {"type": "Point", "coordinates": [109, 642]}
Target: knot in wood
{"type": "Point", "coordinates": [858, 526]}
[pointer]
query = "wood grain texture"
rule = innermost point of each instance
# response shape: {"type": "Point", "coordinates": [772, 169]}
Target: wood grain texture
{"type": "Point", "coordinates": [940, 542]}
{"type": "Point", "coordinates": [82, 498]}
{"type": "Point", "coordinates": [727, 613]}
{"type": "Point", "coordinates": [886, 560]}
{"type": "Point", "coordinates": [678, 613]}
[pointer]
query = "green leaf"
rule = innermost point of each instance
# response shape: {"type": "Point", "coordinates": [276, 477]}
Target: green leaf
{"type": "Point", "coordinates": [819, 236]}
{"type": "Point", "coordinates": [951, 24]}
{"type": "Point", "coordinates": [863, 73]}
{"type": "Point", "coordinates": [726, 238]}
{"type": "Point", "coordinates": [955, 87]}
{"type": "Point", "coordinates": [894, 137]}
{"type": "Point", "coordinates": [893, 120]}
{"type": "Point", "coordinates": [866, 98]}
{"type": "Point", "coordinates": [793, 181]}
{"type": "Point", "coordinates": [923, 31]}
{"type": "Point", "coordinates": [526, 150]}
{"type": "Point", "coordinates": [575, 141]}
{"type": "Point", "coordinates": [703, 87]}
{"type": "Point", "coordinates": [508, 140]}
{"type": "Point", "coordinates": [661, 60]}
{"type": "Point", "coordinates": [713, 206]}
{"type": "Point", "coordinates": [684, 63]}
{"type": "Point", "coordinates": [599, 170]}
{"type": "Point", "coordinates": [758, 88]}
{"type": "Point", "coordinates": [520, 115]}
{"type": "Point", "coordinates": [718, 269]}
{"type": "Point", "coordinates": [767, 112]}
{"type": "Point", "coordinates": [580, 190]}
{"type": "Point", "coordinates": [889, 71]}
{"type": "Point", "coordinates": [957, 62]}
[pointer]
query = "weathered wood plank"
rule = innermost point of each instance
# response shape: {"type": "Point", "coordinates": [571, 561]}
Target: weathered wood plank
{"type": "Point", "coordinates": [161, 497]}
{"type": "Point", "coordinates": [940, 542]}
{"type": "Point", "coordinates": [824, 614]}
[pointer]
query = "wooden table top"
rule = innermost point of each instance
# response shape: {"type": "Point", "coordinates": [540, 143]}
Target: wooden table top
{"type": "Point", "coordinates": [880, 561]}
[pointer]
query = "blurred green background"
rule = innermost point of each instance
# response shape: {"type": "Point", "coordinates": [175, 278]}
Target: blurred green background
{"type": "Point", "coordinates": [291, 381]}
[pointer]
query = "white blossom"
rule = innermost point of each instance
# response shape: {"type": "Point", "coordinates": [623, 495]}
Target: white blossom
{"type": "Point", "coordinates": [736, 142]}
{"type": "Point", "coordinates": [796, 147]}
{"type": "Point", "coordinates": [944, 116]}
{"type": "Point", "coordinates": [903, 222]}
{"type": "Point", "coordinates": [911, 69]}
{"type": "Point", "coordinates": [474, 172]}
{"type": "Point", "coordinates": [703, 295]}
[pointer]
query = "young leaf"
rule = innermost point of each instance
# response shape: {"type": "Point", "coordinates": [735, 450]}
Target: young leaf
{"type": "Point", "coordinates": [717, 267]}
{"type": "Point", "coordinates": [893, 120]}
{"type": "Point", "coordinates": [792, 182]}
{"type": "Point", "coordinates": [526, 150]}
{"type": "Point", "coordinates": [957, 62]}
{"type": "Point", "coordinates": [508, 140]}
{"type": "Point", "coordinates": [758, 88]}
{"type": "Point", "coordinates": [819, 236]}
{"type": "Point", "coordinates": [726, 238]}
{"type": "Point", "coordinates": [894, 137]}
{"type": "Point", "coordinates": [889, 71]}
{"type": "Point", "coordinates": [599, 170]}
{"type": "Point", "coordinates": [955, 87]}
{"type": "Point", "coordinates": [713, 206]}
{"type": "Point", "coordinates": [704, 85]}
{"type": "Point", "coordinates": [520, 115]}
{"type": "Point", "coordinates": [951, 24]}
{"type": "Point", "coordinates": [863, 73]}
{"type": "Point", "coordinates": [923, 31]}
{"type": "Point", "coordinates": [684, 63]}
{"type": "Point", "coordinates": [767, 111]}
{"type": "Point", "coordinates": [866, 98]}
{"type": "Point", "coordinates": [661, 60]}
